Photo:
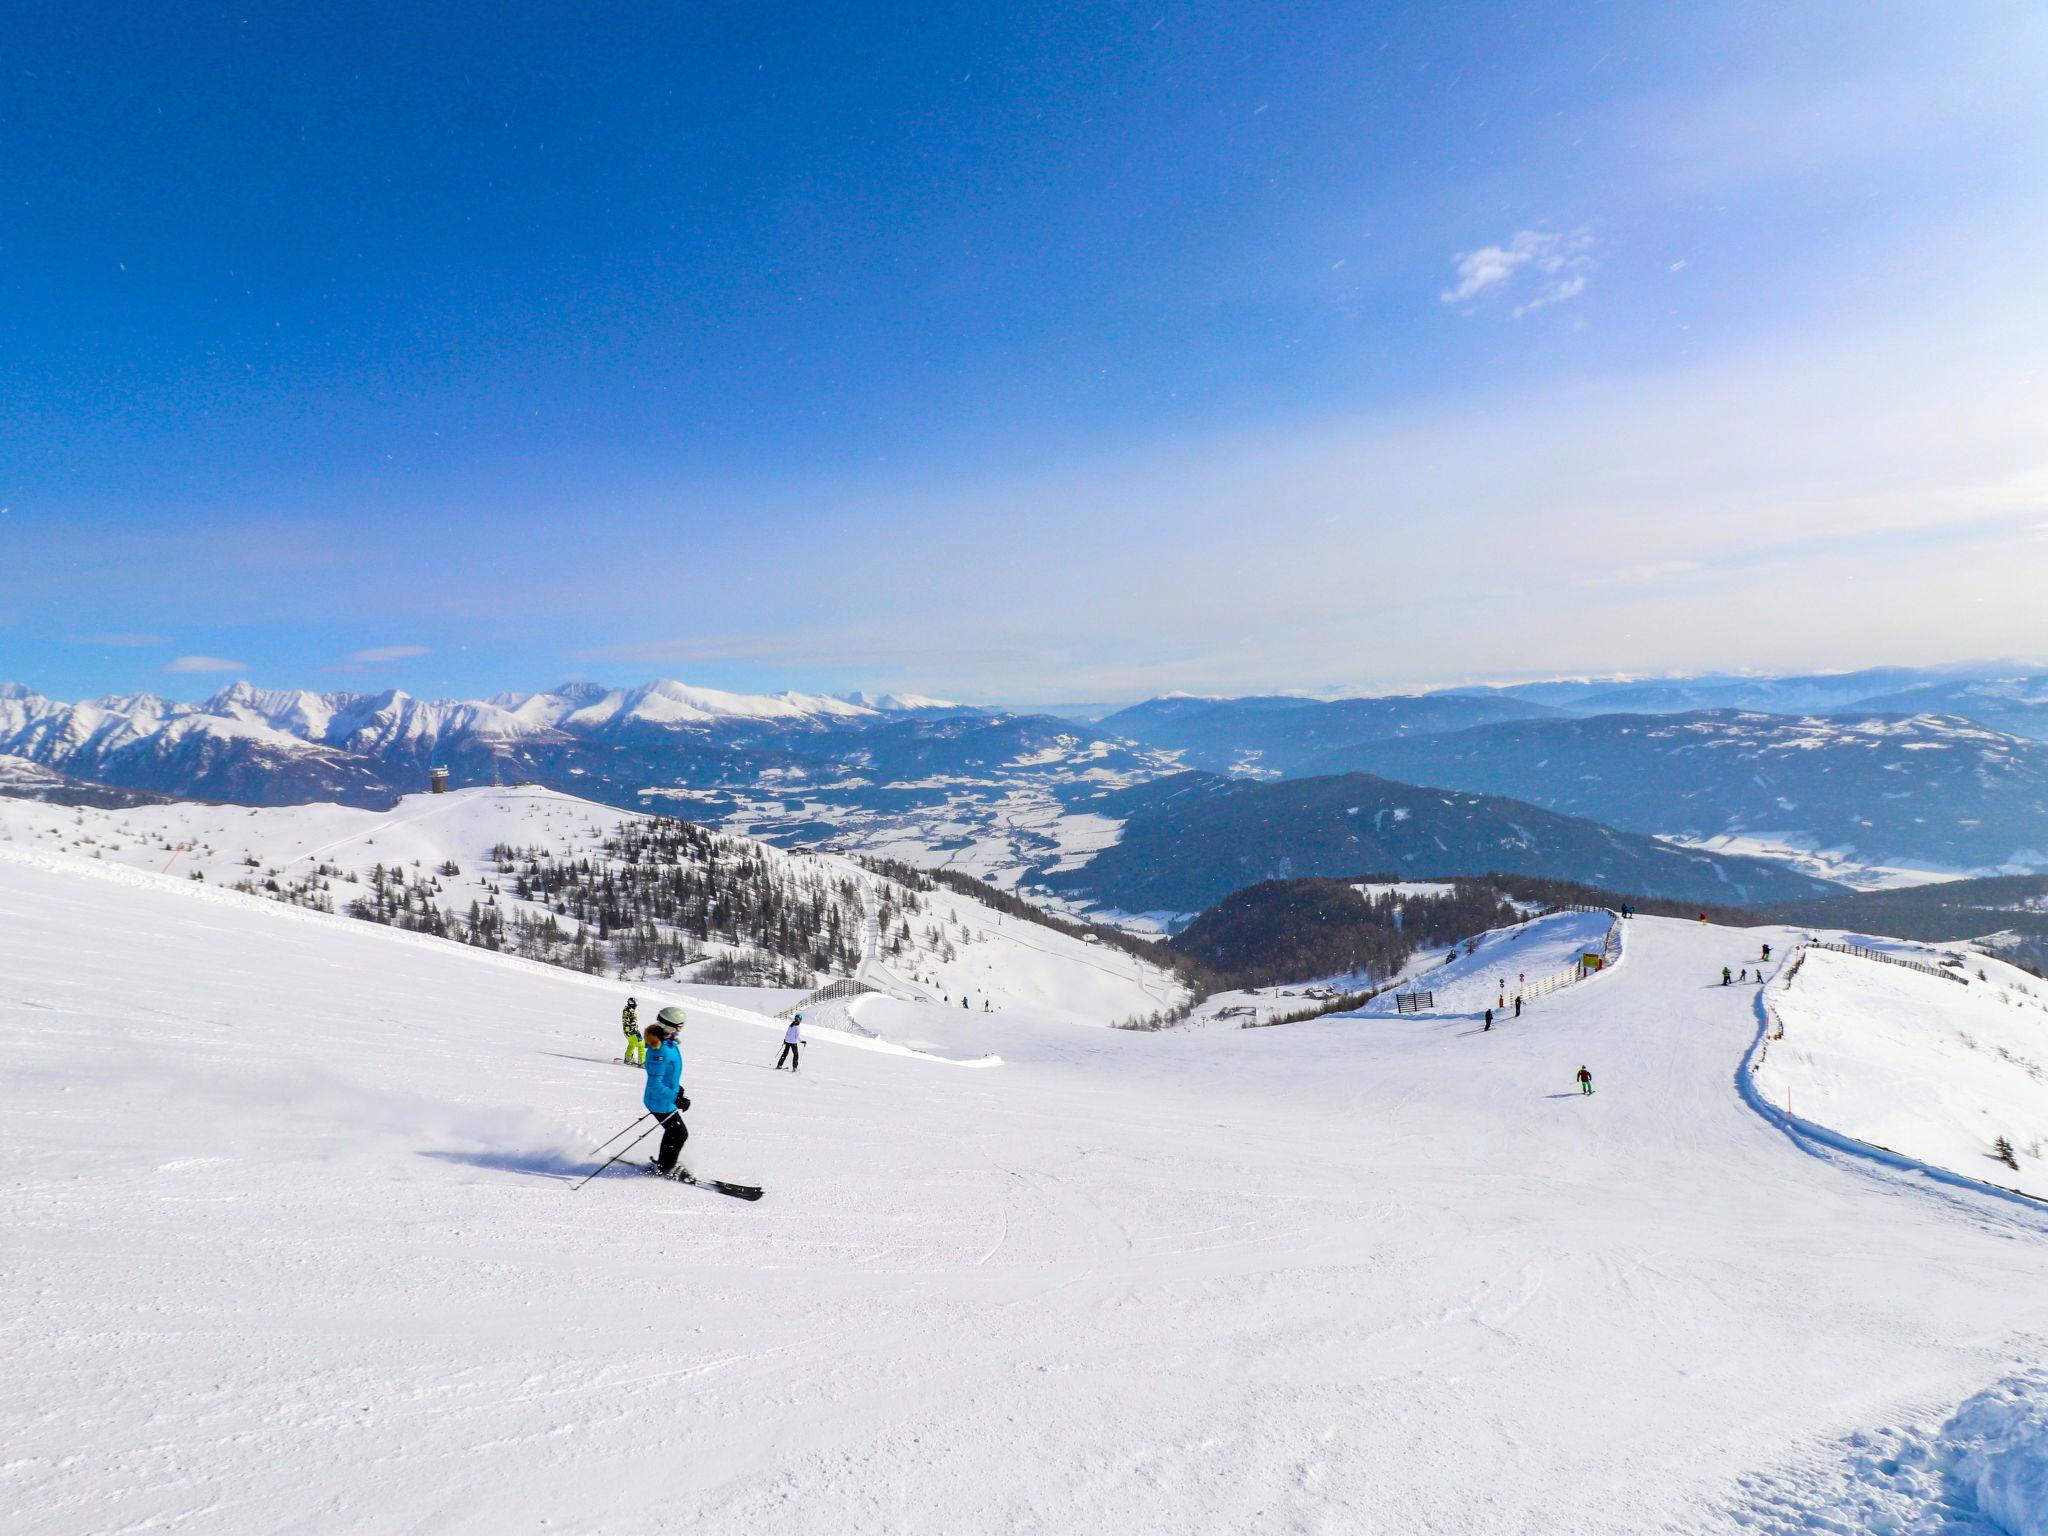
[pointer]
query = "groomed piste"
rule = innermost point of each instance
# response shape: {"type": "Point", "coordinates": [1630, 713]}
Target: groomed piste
{"type": "Point", "coordinates": [290, 1245]}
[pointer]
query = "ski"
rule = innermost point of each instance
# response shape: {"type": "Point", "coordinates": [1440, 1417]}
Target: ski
{"type": "Point", "coordinates": [737, 1191]}
{"type": "Point", "coordinates": [719, 1186]}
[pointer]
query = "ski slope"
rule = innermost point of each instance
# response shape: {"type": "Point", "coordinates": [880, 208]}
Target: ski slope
{"type": "Point", "coordinates": [289, 1246]}
{"type": "Point", "coordinates": [1927, 1068]}
{"type": "Point", "coordinates": [1499, 964]}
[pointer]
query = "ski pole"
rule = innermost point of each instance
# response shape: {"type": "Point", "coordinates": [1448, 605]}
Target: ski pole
{"type": "Point", "coordinates": [610, 1139]}
{"type": "Point", "coordinates": [600, 1168]}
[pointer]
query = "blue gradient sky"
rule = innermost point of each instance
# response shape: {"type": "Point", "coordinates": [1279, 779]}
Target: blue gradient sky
{"type": "Point", "coordinates": [1026, 353]}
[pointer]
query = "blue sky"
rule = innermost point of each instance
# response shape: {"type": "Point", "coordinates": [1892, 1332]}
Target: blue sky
{"type": "Point", "coordinates": [1017, 353]}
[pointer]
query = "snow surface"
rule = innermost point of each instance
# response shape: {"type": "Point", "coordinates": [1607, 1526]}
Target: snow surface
{"type": "Point", "coordinates": [1919, 1065]}
{"type": "Point", "coordinates": [290, 1245]}
{"type": "Point", "coordinates": [1006, 961]}
{"type": "Point", "coordinates": [1496, 968]}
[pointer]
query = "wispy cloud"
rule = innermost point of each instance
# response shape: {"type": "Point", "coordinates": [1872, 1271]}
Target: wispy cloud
{"type": "Point", "coordinates": [1541, 266]}
{"type": "Point", "coordinates": [377, 653]}
{"type": "Point", "coordinates": [205, 664]}
{"type": "Point", "coordinates": [1649, 573]}
{"type": "Point", "coordinates": [123, 642]}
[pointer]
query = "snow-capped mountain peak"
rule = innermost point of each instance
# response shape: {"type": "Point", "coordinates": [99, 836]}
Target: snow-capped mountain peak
{"type": "Point", "coordinates": [666, 702]}
{"type": "Point", "coordinates": [897, 703]}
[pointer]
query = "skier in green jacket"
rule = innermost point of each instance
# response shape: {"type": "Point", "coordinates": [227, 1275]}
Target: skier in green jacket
{"type": "Point", "coordinates": [636, 1048]}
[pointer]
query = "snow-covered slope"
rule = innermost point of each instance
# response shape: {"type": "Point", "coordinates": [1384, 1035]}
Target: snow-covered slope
{"type": "Point", "coordinates": [1496, 966]}
{"type": "Point", "coordinates": [993, 960]}
{"type": "Point", "coordinates": [1931, 1069]}
{"type": "Point", "coordinates": [290, 1246]}
{"type": "Point", "coordinates": [226, 843]}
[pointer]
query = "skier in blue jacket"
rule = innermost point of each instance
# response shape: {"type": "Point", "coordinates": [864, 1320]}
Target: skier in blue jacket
{"type": "Point", "coordinates": [663, 1095]}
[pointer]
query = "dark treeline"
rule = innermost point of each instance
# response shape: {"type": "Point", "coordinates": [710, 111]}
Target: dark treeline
{"type": "Point", "coordinates": [645, 903]}
{"type": "Point", "coordinates": [1571, 893]}
{"type": "Point", "coordinates": [667, 876]}
{"type": "Point", "coordinates": [1295, 930]}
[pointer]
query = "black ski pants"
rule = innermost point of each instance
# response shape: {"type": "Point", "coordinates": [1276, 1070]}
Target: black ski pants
{"type": "Point", "coordinates": [788, 1055]}
{"type": "Point", "coordinates": [673, 1134]}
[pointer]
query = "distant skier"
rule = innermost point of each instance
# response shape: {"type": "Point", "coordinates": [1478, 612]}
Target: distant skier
{"type": "Point", "coordinates": [663, 1095]}
{"type": "Point", "coordinates": [1726, 976]}
{"type": "Point", "coordinates": [1767, 951]}
{"type": "Point", "coordinates": [1744, 975]}
{"type": "Point", "coordinates": [1585, 1081]}
{"type": "Point", "coordinates": [1518, 1005]}
{"type": "Point", "coordinates": [792, 1037]}
{"type": "Point", "coordinates": [636, 1048]}
{"type": "Point", "coordinates": [1489, 1020]}
{"type": "Point", "coordinates": [963, 999]}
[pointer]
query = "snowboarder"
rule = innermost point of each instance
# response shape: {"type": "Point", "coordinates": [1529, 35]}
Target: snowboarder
{"type": "Point", "coordinates": [1726, 976]}
{"type": "Point", "coordinates": [792, 1037]}
{"type": "Point", "coordinates": [1489, 1020]}
{"type": "Point", "coordinates": [663, 1095]}
{"type": "Point", "coordinates": [1585, 1081]}
{"type": "Point", "coordinates": [636, 1048]}
{"type": "Point", "coordinates": [1767, 951]}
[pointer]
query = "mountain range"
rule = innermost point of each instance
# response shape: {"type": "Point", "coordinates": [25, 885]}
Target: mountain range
{"type": "Point", "coordinates": [1017, 796]}
{"type": "Point", "coordinates": [1280, 733]}
{"type": "Point", "coordinates": [1884, 767]}
{"type": "Point", "coordinates": [1891, 789]}
{"type": "Point", "coordinates": [1191, 840]}
{"type": "Point", "coordinates": [283, 746]}
{"type": "Point", "coordinates": [2011, 699]}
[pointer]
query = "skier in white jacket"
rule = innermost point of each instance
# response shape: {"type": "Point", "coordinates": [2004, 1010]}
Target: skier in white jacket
{"type": "Point", "coordinates": [792, 1037]}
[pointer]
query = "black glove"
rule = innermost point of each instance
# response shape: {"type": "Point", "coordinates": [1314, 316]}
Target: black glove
{"type": "Point", "coordinates": [682, 1104]}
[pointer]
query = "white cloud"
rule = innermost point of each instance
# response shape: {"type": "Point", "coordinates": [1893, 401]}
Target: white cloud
{"type": "Point", "coordinates": [389, 653]}
{"type": "Point", "coordinates": [1554, 293]}
{"type": "Point", "coordinates": [205, 664]}
{"type": "Point", "coordinates": [1545, 266]}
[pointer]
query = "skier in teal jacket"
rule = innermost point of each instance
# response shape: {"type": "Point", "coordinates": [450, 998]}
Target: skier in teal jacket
{"type": "Point", "coordinates": [663, 1096]}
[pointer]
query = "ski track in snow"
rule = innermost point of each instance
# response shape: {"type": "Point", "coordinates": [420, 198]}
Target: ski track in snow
{"type": "Point", "coordinates": [290, 1247]}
